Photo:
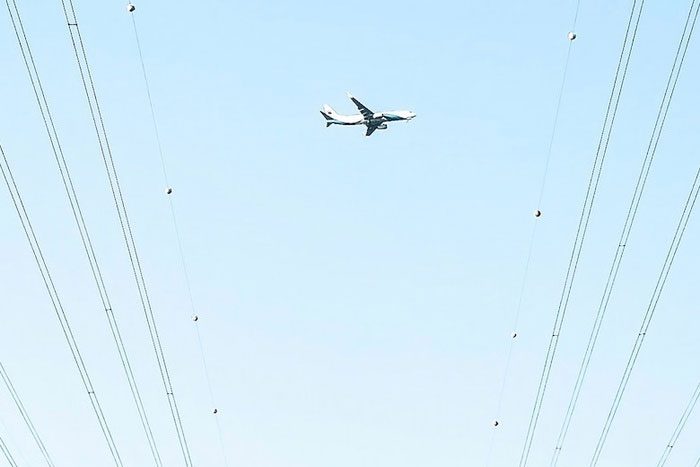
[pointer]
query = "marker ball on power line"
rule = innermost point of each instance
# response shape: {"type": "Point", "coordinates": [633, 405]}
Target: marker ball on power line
{"type": "Point", "coordinates": [495, 423]}
{"type": "Point", "coordinates": [195, 318]}
{"type": "Point", "coordinates": [538, 213]}
{"type": "Point", "coordinates": [169, 191]}
{"type": "Point", "coordinates": [571, 35]}
{"type": "Point", "coordinates": [130, 8]}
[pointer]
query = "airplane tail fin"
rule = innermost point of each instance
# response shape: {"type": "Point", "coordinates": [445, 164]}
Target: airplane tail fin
{"type": "Point", "coordinates": [328, 113]}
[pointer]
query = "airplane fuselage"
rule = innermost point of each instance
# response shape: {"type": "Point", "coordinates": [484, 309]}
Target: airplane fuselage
{"type": "Point", "coordinates": [376, 119]}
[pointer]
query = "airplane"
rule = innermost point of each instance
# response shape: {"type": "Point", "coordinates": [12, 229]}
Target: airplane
{"type": "Point", "coordinates": [373, 121]}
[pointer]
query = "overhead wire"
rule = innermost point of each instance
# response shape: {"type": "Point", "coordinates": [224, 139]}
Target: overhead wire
{"type": "Point", "coordinates": [178, 237]}
{"type": "Point", "coordinates": [530, 249]}
{"type": "Point", "coordinates": [57, 305]}
{"type": "Point", "coordinates": [5, 449]}
{"type": "Point", "coordinates": [648, 315]}
{"type": "Point", "coordinates": [555, 123]}
{"type": "Point", "coordinates": [627, 226]}
{"type": "Point", "coordinates": [25, 415]}
{"type": "Point", "coordinates": [20, 456]}
{"type": "Point", "coordinates": [18, 401]}
{"type": "Point", "coordinates": [594, 179]}
{"type": "Point", "coordinates": [127, 233]}
{"type": "Point", "coordinates": [680, 426]}
{"type": "Point", "coordinates": [64, 171]}
{"type": "Point", "coordinates": [6, 452]}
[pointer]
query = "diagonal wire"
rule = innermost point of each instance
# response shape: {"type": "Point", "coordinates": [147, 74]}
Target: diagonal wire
{"type": "Point", "coordinates": [679, 427]}
{"type": "Point", "coordinates": [47, 279]}
{"type": "Point", "coordinates": [176, 228]}
{"type": "Point", "coordinates": [6, 452]}
{"type": "Point", "coordinates": [25, 415]}
{"type": "Point", "coordinates": [649, 314]}
{"type": "Point", "coordinates": [127, 233]}
{"type": "Point", "coordinates": [594, 179]}
{"type": "Point", "coordinates": [526, 269]}
{"type": "Point", "coordinates": [555, 123]}
{"type": "Point", "coordinates": [627, 227]}
{"type": "Point", "coordinates": [64, 171]}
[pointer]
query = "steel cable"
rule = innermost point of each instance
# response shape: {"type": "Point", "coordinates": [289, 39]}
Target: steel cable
{"type": "Point", "coordinates": [596, 172]}
{"type": "Point", "coordinates": [127, 233]}
{"type": "Point", "coordinates": [47, 279]}
{"type": "Point", "coordinates": [25, 415]}
{"type": "Point", "coordinates": [176, 229]}
{"type": "Point", "coordinates": [533, 232]}
{"type": "Point", "coordinates": [648, 315]}
{"type": "Point", "coordinates": [86, 240]}
{"type": "Point", "coordinates": [679, 426]}
{"type": "Point", "coordinates": [627, 226]}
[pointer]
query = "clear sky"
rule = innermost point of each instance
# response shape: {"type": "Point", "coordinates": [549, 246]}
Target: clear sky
{"type": "Point", "coordinates": [356, 294]}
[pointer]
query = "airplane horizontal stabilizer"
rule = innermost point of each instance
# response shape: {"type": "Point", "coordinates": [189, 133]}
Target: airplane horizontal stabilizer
{"type": "Point", "coordinates": [329, 119]}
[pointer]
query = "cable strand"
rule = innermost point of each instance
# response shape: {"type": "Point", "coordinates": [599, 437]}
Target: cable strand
{"type": "Point", "coordinates": [679, 426]}
{"type": "Point", "coordinates": [50, 287]}
{"type": "Point", "coordinates": [626, 231]}
{"type": "Point", "coordinates": [86, 240]}
{"type": "Point", "coordinates": [178, 236]}
{"type": "Point", "coordinates": [648, 315]}
{"type": "Point", "coordinates": [596, 172]}
{"type": "Point", "coordinates": [122, 213]}
{"type": "Point", "coordinates": [531, 243]}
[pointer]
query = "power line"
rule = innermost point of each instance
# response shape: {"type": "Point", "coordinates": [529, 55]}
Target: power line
{"type": "Point", "coordinates": [127, 233]}
{"type": "Point", "coordinates": [154, 121]}
{"type": "Point", "coordinates": [64, 171]}
{"type": "Point", "coordinates": [131, 8]}
{"type": "Point", "coordinates": [649, 314]}
{"type": "Point", "coordinates": [25, 415]}
{"type": "Point", "coordinates": [29, 232]}
{"type": "Point", "coordinates": [526, 269]}
{"type": "Point", "coordinates": [627, 227]}
{"type": "Point", "coordinates": [679, 427]}
{"type": "Point", "coordinates": [555, 124]}
{"type": "Point", "coordinates": [596, 171]}
{"type": "Point", "coordinates": [6, 452]}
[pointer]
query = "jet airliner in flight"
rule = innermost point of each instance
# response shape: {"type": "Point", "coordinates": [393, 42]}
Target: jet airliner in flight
{"type": "Point", "coordinates": [373, 121]}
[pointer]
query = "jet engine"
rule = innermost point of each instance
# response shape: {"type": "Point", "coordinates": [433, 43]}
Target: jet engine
{"type": "Point", "coordinates": [382, 127]}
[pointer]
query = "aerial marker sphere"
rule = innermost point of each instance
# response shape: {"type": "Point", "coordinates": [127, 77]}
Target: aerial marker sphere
{"type": "Point", "coordinates": [130, 8]}
{"type": "Point", "coordinates": [571, 35]}
{"type": "Point", "coordinates": [538, 213]}
{"type": "Point", "coordinates": [195, 318]}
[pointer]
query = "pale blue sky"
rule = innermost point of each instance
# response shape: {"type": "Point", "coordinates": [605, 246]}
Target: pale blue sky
{"type": "Point", "coordinates": [356, 293]}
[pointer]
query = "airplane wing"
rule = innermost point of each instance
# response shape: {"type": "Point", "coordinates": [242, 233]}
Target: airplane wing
{"type": "Point", "coordinates": [360, 106]}
{"type": "Point", "coordinates": [370, 129]}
